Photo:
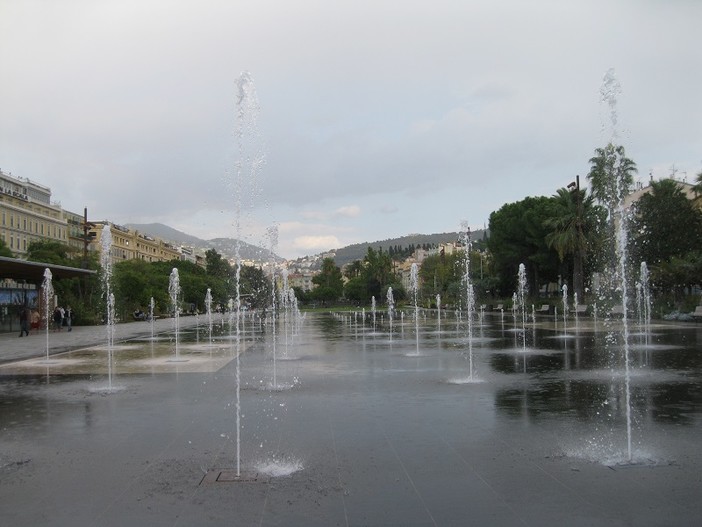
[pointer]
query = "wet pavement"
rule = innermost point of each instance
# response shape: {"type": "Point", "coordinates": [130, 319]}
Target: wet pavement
{"type": "Point", "coordinates": [351, 425]}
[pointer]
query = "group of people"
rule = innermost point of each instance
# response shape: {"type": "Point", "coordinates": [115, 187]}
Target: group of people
{"type": "Point", "coordinates": [59, 319]}
{"type": "Point", "coordinates": [63, 317]}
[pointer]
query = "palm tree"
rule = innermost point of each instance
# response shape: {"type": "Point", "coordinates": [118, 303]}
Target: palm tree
{"type": "Point", "coordinates": [574, 230]}
{"type": "Point", "coordinates": [698, 186]}
{"type": "Point", "coordinates": [611, 176]}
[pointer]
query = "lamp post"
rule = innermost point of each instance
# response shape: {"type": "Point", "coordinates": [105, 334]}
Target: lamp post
{"type": "Point", "coordinates": [578, 256]}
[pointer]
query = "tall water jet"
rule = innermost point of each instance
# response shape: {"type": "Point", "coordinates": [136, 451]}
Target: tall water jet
{"type": "Point", "coordinates": [609, 94]}
{"type": "Point", "coordinates": [617, 170]}
{"type": "Point", "coordinates": [272, 233]}
{"type": "Point", "coordinates": [469, 293]}
{"type": "Point", "coordinates": [622, 258]}
{"type": "Point", "coordinates": [373, 311]}
{"type": "Point", "coordinates": [438, 312]}
{"type": "Point", "coordinates": [249, 161]}
{"type": "Point", "coordinates": [152, 305]}
{"type": "Point", "coordinates": [391, 308]}
{"type": "Point", "coordinates": [106, 266]}
{"type": "Point", "coordinates": [521, 300]}
{"type": "Point", "coordinates": [284, 305]}
{"type": "Point", "coordinates": [644, 280]}
{"type": "Point", "coordinates": [414, 286]}
{"type": "Point", "coordinates": [174, 293]}
{"type": "Point", "coordinates": [208, 313]}
{"type": "Point", "coordinates": [47, 289]}
{"type": "Point", "coordinates": [564, 289]}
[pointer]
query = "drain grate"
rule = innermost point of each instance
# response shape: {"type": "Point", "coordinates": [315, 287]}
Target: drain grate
{"type": "Point", "coordinates": [229, 475]}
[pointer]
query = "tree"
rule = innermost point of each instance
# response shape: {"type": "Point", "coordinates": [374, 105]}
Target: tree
{"type": "Point", "coordinates": [135, 283]}
{"type": "Point", "coordinates": [377, 272]}
{"type": "Point", "coordinates": [698, 184]}
{"type": "Point", "coordinates": [517, 235]}
{"type": "Point", "coordinates": [371, 277]}
{"type": "Point", "coordinates": [666, 224]}
{"type": "Point", "coordinates": [355, 290]}
{"type": "Point", "coordinates": [256, 288]}
{"type": "Point", "coordinates": [353, 269]}
{"type": "Point", "coordinates": [329, 282]}
{"type": "Point", "coordinates": [216, 265]}
{"type": "Point", "coordinates": [4, 249]}
{"type": "Point", "coordinates": [678, 273]}
{"type": "Point", "coordinates": [439, 274]}
{"type": "Point", "coordinates": [53, 252]}
{"type": "Point", "coordinates": [611, 176]}
{"type": "Point", "coordinates": [575, 230]}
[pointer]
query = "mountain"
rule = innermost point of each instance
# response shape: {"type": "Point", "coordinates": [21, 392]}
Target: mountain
{"type": "Point", "coordinates": [358, 250]}
{"type": "Point", "coordinates": [224, 246]}
{"type": "Point", "coordinates": [227, 246]}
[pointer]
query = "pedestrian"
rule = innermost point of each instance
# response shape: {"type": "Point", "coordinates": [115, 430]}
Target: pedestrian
{"type": "Point", "coordinates": [58, 318]}
{"type": "Point", "coordinates": [24, 322]}
{"type": "Point", "coordinates": [68, 314]}
{"type": "Point", "coordinates": [36, 319]}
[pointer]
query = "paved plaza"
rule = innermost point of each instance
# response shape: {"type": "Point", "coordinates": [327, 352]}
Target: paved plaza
{"type": "Point", "coordinates": [343, 425]}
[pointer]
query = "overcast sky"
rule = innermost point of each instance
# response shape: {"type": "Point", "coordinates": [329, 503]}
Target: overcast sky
{"type": "Point", "coordinates": [378, 118]}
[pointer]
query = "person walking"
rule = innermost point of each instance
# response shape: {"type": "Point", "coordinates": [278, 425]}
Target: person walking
{"type": "Point", "coordinates": [24, 322]}
{"type": "Point", "coordinates": [58, 318]}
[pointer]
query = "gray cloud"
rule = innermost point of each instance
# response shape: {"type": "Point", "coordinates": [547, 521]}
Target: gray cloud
{"type": "Point", "coordinates": [454, 107]}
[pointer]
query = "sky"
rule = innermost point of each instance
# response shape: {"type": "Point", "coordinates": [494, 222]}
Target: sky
{"type": "Point", "coordinates": [373, 118]}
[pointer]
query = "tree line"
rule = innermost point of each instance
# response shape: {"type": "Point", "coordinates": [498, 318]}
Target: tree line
{"type": "Point", "coordinates": [135, 282]}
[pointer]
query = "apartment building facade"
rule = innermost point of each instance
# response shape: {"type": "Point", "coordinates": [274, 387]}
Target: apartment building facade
{"type": "Point", "coordinates": [28, 214]}
{"type": "Point", "coordinates": [130, 244]}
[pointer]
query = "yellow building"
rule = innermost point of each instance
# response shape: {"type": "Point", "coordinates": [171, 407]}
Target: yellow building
{"type": "Point", "coordinates": [132, 245]}
{"type": "Point", "coordinates": [27, 214]}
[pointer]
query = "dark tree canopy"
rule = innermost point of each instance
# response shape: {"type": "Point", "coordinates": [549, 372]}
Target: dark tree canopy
{"type": "Point", "coordinates": [329, 282]}
{"type": "Point", "coordinates": [518, 235]}
{"type": "Point", "coordinates": [666, 224]}
{"type": "Point", "coordinates": [4, 249]}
